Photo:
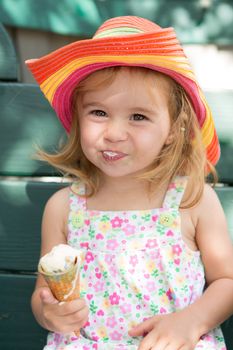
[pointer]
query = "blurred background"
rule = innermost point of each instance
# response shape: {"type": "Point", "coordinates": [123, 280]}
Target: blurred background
{"type": "Point", "coordinates": [33, 28]}
{"type": "Point", "coordinates": [205, 28]}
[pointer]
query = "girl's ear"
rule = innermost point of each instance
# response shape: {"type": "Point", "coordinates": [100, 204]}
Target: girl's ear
{"type": "Point", "coordinates": [169, 139]}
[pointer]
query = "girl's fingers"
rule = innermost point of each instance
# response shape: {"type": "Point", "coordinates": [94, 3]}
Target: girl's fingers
{"type": "Point", "coordinates": [160, 346]}
{"type": "Point", "coordinates": [68, 308]}
{"type": "Point", "coordinates": [185, 347]}
{"type": "Point", "coordinates": [149, 342]}
{"type": "Point", "coordinates": [47, 297]}
{"type": "Point", "coordinates": [71, 322]}
{"type": "Point", "coordinates": [143, 328]}
{"type": "Point", "coordinates": [78, 316]}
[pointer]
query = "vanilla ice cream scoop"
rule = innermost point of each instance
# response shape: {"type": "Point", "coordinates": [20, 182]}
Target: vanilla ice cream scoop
{"type": "Point", "coordinates": [59, 260]}
{"type": "Point", "coordinates": [61, 269]}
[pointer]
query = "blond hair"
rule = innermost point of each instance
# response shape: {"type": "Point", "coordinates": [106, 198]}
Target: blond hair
{"type": "Point", "coordinates": [184, 156]}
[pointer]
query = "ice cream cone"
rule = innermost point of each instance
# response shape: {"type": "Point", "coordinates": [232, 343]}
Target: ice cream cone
{"type": "Point", "coordinates": [64, 285]}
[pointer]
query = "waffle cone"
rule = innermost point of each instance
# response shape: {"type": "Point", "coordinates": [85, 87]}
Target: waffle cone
{"type": "Point", "coordinates": [64, 286]}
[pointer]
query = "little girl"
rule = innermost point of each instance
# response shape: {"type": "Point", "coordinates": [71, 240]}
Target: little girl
{"type": "Point", "coordinates": [158, 267]}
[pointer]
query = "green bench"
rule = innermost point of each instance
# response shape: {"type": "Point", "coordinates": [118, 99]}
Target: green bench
{"type": "Point", "coordinates": [195, 21]}
{"type": "Point", "coordinates": [26, 184]}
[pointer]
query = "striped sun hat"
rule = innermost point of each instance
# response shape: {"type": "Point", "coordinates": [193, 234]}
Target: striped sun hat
{"type": "Point", "coordinates": [122, 41]}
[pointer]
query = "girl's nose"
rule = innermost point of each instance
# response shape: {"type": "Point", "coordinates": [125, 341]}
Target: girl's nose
{"type": "Point", "coordinates": [116, 131]}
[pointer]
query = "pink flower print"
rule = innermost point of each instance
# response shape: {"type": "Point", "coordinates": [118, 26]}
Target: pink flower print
{"type": "Point", "coordinates": [95, 338]}
{"type": "Point", "coordinates": [89, 257]}
{"type": "Point", "coordinates": [99, 236]}
{"type": "Point", "coordinates": [151, 286]}
{"type": "Point", "coordinates": [113, 271]}
{"type": "Point", "coordinates": [112, 244]}
{"type": "Point", "coordinates": [108, 258]}
{"type": "Point", "coordinates": [125, 308]}
{"type": "Point", "coordinates": [207, 337]}
{"type": "Point", "coordinates": [154, 218]}
{"type": "Point", "coordinates": [84, 245]}
{"type": "Point", "coordinates": [170, 294]}
{"type": "Point", "coordinates": [133, 260]}
{"type": "Point", "coordinates": [115, 335]}
{"type": "Point", "coordinates": [177, 303]}
{"type": "Point", "coordinates": [87, 324]}
{"type": "Point", "coordinates": [111, 322]}
{"type": "Point", "coordinates": [99, 286]}
{"type": "Point", "coordinates": [172, 185]}
{"type": "Point", "coordinates": [162, 310]}
{"type": "Point", "coordinates": [155, 254]}
{"type": "Point", "coordinates": [176, 249]}
{"type": "Point", "coordinates": [57, 338]}
{"type": "Point", "coordinates": [160, 266]}
{"type": "Point", "coordinates": [151, 243]}
{"type": "Point", "coordinates": [114, 298]}
{"type": "Point", "coordinates": [129, 230]}
{"type": "Point", "coordinates": [116, 222]}
{"type": "Point", "coordinates": [170, 233]}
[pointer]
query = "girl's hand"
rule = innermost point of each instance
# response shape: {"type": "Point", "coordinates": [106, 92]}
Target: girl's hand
{"type": "Point", "coordinates": [62, 317]}
{"type": "Point", "coordinates": [176, 331]}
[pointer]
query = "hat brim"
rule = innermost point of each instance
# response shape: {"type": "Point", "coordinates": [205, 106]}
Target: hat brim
{"type": "Point", "coordinates": [59, 73]}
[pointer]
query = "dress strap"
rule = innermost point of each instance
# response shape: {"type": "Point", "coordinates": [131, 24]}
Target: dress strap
{"type": "Point", "coordinates": [77, 198]}
{"type": "Point", "coordinates": [175, 192]}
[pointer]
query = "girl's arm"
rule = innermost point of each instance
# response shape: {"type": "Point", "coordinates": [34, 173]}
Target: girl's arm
{"type": "Point", "coordinates": [216, 250]}
{"type": "Point", "coordinates": [183, 329]}
{"type": "Point", "coordinates": [51, 315]}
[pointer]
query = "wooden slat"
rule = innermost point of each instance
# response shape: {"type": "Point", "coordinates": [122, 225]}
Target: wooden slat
{"type": "Point", "coordinates": [227, 328]}
{"type": "Point", "coordinates": [225, 195]}
{"type": "Point", "coordinates": [18, 328]}
{"type": "Point", "coordinates": [8, 60]}
{"type": "Point", "coordinates": [26, 120]}
{"type": "Point", "coordinates": [194, 21]}
{"type": "Point", "coordinates": [221, 103]}
{"type": "Point", "coordinates": [21, 207]}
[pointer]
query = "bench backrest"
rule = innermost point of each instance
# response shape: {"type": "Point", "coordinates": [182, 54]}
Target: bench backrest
{"type": "Point", "coordinates": [27, 119]}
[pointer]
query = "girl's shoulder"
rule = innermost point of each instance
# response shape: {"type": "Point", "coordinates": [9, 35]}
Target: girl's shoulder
{"type": "Point", "coordinates": [54, 221]}
{"type": "Point", "coordinates": [59, 201]}
{"type": "Point", "coordinates": [209, 197]}
{"type": "Point", "coordinates": [209, 206]}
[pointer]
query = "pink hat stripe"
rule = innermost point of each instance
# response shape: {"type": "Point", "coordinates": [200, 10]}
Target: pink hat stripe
{"type": "Point", "coordinates": [156, 48]}
{"type": "Point", "coordinates": [68, 85]}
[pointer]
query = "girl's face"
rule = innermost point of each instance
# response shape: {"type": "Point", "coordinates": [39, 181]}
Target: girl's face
{"type": "Point", "coordinates": [124, 125]}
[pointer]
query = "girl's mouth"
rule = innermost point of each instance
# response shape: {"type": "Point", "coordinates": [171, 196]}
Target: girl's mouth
{"type": "Point", "coordinates": [112, 155]}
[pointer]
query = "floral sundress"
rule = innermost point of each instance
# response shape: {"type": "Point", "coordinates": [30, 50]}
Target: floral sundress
{"type": "Point", "coordinates": [135, 265]}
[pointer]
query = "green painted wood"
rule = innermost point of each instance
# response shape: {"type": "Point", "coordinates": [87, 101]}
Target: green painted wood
{"type": "Point", "coordinates": [18, 328]}
{"type": "Point", "coordinates": [26, 120]}
{"type": "Point", "coordinates": [21, 207]}
{"type": "Point", "coordinates": [227, 328]}
{"type": "Point", "coordinates": [194, 21]}
{"type": "Point", "coordinates": [8, 59]}
{"type": "Point", "coordinates": [225, 195]}
{"type": "Point", "coordinates": [221, 103]}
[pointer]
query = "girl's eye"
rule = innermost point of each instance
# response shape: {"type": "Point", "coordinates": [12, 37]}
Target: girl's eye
{"type": "Point", "coordinates": [137, 116]}
{"type": "Point", "coordinates": [98, 113]}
